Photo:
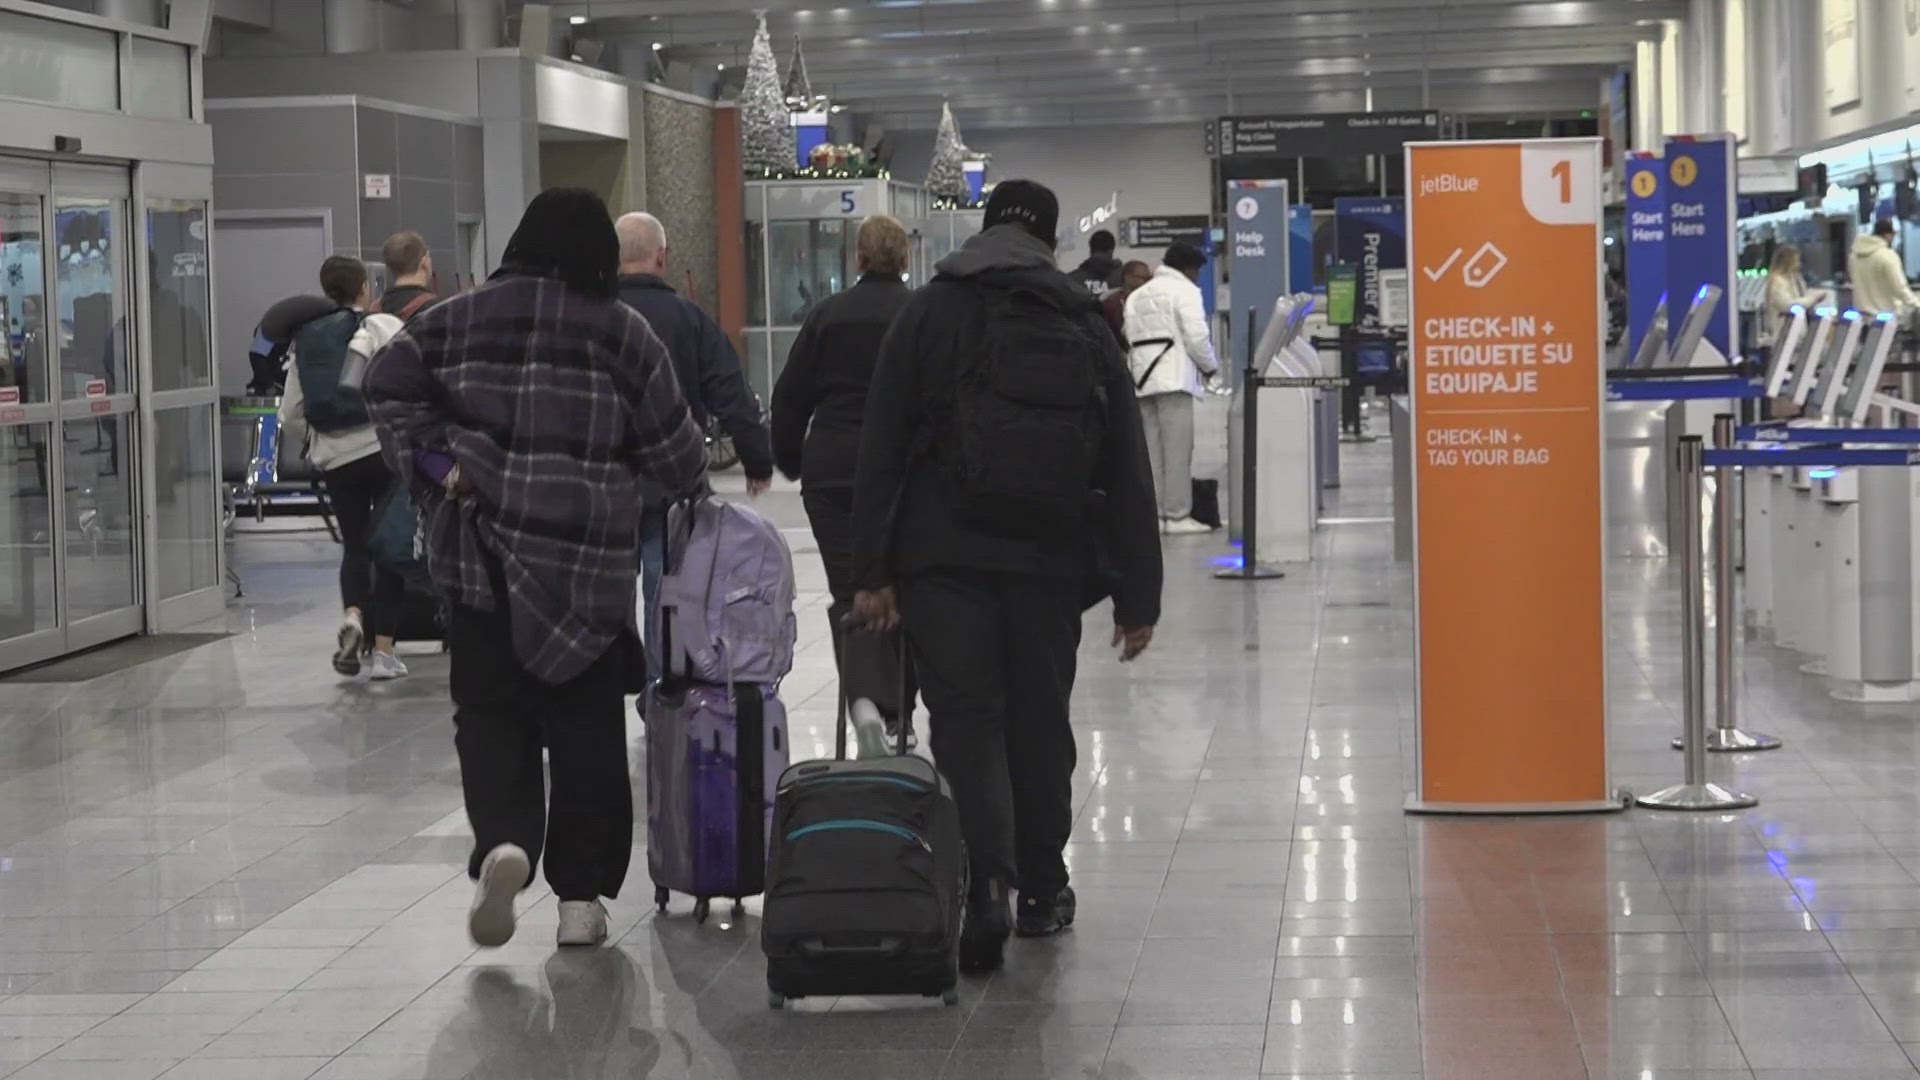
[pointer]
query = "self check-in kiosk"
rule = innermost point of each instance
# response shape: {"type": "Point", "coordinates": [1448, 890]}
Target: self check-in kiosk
{"type": "Point", "coordinates": [1758, 484]}
{"type": "Point", "coordinates": [1653, 344]}
{"type": "Point", "coordinates": [1800, 623]}
{"type": "Point", "coordinates": [1288, 473]}
{"type": "Point", "coordinates": [1868, 539]}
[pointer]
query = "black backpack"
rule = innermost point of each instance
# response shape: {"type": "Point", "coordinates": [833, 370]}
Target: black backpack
{"type": "Point", "coordinates": [1029, 416]}
{"type": "Point", "coordinates": [330, 392]}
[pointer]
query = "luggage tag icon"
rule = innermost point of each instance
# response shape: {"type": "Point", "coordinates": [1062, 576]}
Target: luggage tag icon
{"type": "Point", "coordinates": [1485, 265]}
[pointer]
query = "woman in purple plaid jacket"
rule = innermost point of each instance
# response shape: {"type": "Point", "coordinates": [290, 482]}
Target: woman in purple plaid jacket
{"type": "Point", "coordinates": [528, 411]}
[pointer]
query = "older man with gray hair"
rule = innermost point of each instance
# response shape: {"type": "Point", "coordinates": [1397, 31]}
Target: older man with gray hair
{"type": "Point", "coordinates": [711, 377]}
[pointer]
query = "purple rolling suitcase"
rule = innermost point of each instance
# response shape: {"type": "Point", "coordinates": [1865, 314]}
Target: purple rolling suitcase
{"type": "Point", "coordinates": [716, 731]}
{"type": "Point", "coordinates": [714, 759]}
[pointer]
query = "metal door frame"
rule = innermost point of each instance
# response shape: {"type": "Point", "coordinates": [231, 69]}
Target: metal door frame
{"type": "Point", "coordinates": [29, 177]}
{"type": "Point", "coordinates": [108, 182]}
{"type": "Point", "coordinates": [160, 180]}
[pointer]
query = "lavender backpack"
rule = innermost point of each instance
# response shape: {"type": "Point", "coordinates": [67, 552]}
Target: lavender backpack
{"type": "Point", "coordinates": [725, 612]}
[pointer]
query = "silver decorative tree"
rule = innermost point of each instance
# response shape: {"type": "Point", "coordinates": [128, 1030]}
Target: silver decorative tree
{"type": "Point", "coordinates": [945, 177]}
{"type": "Point", "coordinates": [766, 130]}
{"type": "Point", "coordinates": [799, 87]}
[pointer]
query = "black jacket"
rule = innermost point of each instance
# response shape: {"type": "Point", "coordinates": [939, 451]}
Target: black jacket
{"type": "Point", "coordinates": [711, 378]}
{"type": "Point", "coordinates": [395, 300]}
{"type": "Point", "coordinates": [1098, 273]}
{"type": "Point", "coordinates": [903, 518]}
{"type": "Point", "coordinates": [825, 381]}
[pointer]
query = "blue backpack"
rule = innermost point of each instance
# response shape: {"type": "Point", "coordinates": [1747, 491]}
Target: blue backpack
{"type": "Point", "coordinates": [329, 384]}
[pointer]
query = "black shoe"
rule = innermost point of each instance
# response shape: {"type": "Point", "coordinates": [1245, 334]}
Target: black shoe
{"type": "Point", "coordinates": [983, 939]}
{"type": "Point", "coordinates": [1044, 916]}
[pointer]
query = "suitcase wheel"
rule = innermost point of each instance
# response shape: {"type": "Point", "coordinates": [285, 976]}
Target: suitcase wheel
{"type": "Point", "coordinates": [700, 908]}
{"type": "Point", "coordinates": [776, 999]}
{"type": "Point", "coordinates": [951, 997]}
{"type": "Point", "coordinates": [660, 898]}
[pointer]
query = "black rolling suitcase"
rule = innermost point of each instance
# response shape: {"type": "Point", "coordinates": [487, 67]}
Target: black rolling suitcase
{"type": "Point", "coordinates": [866, 879]}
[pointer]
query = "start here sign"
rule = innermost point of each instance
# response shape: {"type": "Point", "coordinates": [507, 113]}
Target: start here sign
{"type": "Point", "coordinates": [1507, 386]}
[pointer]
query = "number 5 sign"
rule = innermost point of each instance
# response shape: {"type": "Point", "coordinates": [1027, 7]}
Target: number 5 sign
{"type": "Point", "coordinates": [1505, 378]}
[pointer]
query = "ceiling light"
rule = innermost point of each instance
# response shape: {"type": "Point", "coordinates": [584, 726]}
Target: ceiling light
{"type": "Point", "coordinates": [577, 20]}
{"type": "Point", "coordinates": [836, 108]}
{"type": "Point", "coordinates": [658, 46]}
{"type": "Point", "coordinates": [720, 67]}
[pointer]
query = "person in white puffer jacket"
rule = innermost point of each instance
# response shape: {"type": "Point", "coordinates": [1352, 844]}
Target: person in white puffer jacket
{"type": "Point", "coordinates": [1170, 354]}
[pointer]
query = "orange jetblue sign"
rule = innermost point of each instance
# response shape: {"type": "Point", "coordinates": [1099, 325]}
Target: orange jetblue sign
{"type": "Point", "coordinates": [1507, 386]}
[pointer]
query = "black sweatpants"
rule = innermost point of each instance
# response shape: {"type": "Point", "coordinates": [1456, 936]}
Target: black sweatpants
{"type": "Point", "coordinates": [357, 490]}
{"type": "Point", "coordinates": [996, 655]}
{"type": "Point", "coordinates": [502, 717]}
{"type": "Point", "coordinates": [868, 662]}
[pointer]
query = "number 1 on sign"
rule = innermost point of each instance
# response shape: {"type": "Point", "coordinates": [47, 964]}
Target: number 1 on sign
{"type": "Point", "coordinates": [1563, 172]}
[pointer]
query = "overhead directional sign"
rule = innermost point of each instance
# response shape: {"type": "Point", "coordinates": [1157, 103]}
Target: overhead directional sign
{"type": "Point", "coordinates": [1158, 232]}
{"type": "Point", "coordinates": [1325, 134]}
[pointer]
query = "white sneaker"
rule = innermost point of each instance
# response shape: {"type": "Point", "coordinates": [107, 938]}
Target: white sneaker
{"type": "Point", "coordinates": [1186, 526]}
{"type": "Point", "coordinates": [503, 873]}
{"type": "Point", "coordinates": [582, 922]}
{"type": "Point", "coordinates": [869, 730]}
{"type": "Point", "coordinates": [386, 666]}
{"type": "Point", "coordinates": [346, 658]}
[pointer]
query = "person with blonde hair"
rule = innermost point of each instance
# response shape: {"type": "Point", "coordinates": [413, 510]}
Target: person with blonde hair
{"type": "Point", "coordinates": [817, 410]}
{"type": "Point", "coordinates": [1785, 288]}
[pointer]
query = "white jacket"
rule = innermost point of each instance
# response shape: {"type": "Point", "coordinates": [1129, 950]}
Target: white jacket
{"type": "Point", "coordinates": [1784, 291]}
{"type": "Point", "coordinates": [1166, 320]}
{"type": "Point", "coordinates": [330, 450]}
{"type": "Point", "coordinates": [1879, 279]}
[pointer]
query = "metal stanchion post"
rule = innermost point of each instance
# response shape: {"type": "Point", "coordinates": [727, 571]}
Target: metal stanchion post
{"type": "Point", "coordinates": [1250, 568]}
{"type": "Point", "coordinates": [1696, 792]}
{"type": "Point", "coordinates": [1726, 735]}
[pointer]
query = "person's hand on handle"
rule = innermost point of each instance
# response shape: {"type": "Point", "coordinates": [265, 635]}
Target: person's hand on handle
{"type": "Point", "coordinates": [1131, 640]}
{"type": "Point", "coordinates": [875, 609]}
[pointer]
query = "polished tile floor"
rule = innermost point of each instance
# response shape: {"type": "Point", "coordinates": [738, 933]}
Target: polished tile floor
{"type": "Point", "coordinates": [230, 864]}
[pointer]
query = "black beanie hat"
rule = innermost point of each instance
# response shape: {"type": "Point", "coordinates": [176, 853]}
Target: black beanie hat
{"type": "Point", "coordinates": [1026, 203]}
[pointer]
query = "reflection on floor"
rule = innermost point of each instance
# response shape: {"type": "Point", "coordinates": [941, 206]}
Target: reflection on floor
{"type": "Point", "coordinates": [227, 863]}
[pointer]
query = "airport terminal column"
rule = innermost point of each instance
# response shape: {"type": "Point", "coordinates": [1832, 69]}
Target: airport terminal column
{"type": "Point", "coordinates": [479, 25]}
{"type": "Point", "coordinates": [144, 12]}
{"type": "Point", "coordinates": [1696, 792]}
{"type": "Point", "coordinates": [351, 26]}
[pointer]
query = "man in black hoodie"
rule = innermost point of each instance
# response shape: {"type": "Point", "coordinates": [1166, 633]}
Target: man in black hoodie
{"type": "Point", "coordinates": [1099, 271]}
{"type": "Point", "coordinates": [992, 605]}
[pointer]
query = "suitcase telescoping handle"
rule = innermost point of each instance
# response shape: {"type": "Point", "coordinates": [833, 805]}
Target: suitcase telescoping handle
{"type": "Point", "coordinates": [906, 709]}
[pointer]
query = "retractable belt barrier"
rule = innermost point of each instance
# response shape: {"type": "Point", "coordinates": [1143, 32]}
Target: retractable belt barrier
{"type": "Point", "coordinates": [1812, 456]}
{"type": "Point", "coordinates": [1682, 389]}
{"type": "Point", "coordinates": [1696, 792]}
{"type": "Point", "coordinates": [1782, 433]}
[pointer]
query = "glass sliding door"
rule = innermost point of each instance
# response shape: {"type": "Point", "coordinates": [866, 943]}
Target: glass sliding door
{"type": "Point", "coordinates": [186, 538]}
{"type": "Point", "coordinates": [30, 627]}
{"type": "Point", "coordinates": [91, 293]}
{"type": "Point", "coordinates": [70, 559]}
